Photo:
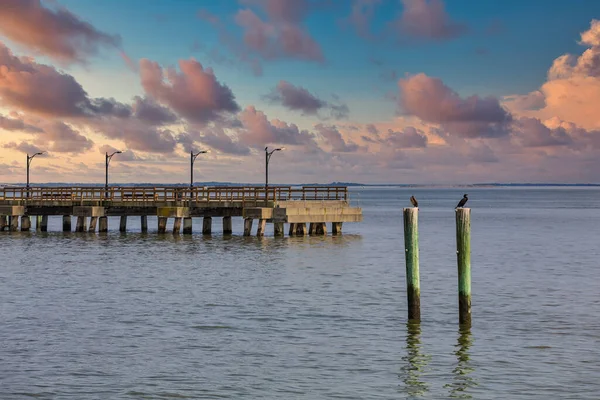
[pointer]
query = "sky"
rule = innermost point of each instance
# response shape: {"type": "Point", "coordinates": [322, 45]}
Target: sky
{"type": "Point", "coordinates": [369, 91]}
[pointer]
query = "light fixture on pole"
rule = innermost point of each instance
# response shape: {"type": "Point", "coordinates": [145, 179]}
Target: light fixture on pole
{"type": "Point", "coordinates": [29, 158]}
{"type": "Point", "coordinates": [193, 157]}
{"type": "Point", "coordinates": [107, 161]}
{"type": "Point", "coordinates": [268, 155]}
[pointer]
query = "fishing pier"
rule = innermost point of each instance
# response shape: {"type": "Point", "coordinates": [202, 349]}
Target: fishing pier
{"type": "Point", "coordinates": [315, 206]}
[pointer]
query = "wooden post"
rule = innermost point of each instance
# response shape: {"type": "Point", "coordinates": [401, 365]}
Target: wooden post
{"type": "Point", "coordinates": [3, 222]}
{"type": "Point", "coordinates": [66, 223]}
{"type": "Point", "coordinates": [187, 226]}
{"type": "Point", "coordinates": [81, 224]}
{"type": "Point", "coordinates": [206, 225]}
{"type": "Point", "coordinates": [261, 227]}
{"type": "Point", "coordinates": [144, 223]}
{"type": "Point", "coordinates": [38, 223]}
{"type": "Point", "coordinates": [14, 223]}
{"type": "Point", "coordinates": [103, 224]}
{"type": "Point", "coordinates": [278, 228]}
{"type": "Point", "coordinates": [336, 228]}
{"type": "Point", "coordinates": [93, 223]}
{"type": "Point", "coordinates": [411, 252]}
{"type": "Point", "coordinates": [227, 227]}
{"type": "Point", "coordinates": [293, 228]}
{"type": "Point", "coordinates": [247, 226]}
{"type": "Point", "coordinates": [162, 224]}
{"type": "Point", "coordinates": [25, 223]}
{"type": "Point", "coordinates": [463, 253]}
{"type": "Point", "coordinates": [176, 225]}
{"type": "Point", "coordinates": [123, 224]}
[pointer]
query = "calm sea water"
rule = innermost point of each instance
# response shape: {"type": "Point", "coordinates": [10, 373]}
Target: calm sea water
{"type": "Point", "coordinates": [132, 316]}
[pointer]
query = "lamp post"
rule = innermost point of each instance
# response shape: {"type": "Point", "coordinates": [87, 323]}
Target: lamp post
{"type": "Point", "coordinates": [107, 161]}
{"type": "Point", "coordinates": [193, 157]}
{"type": "Point", "coordinates": [268, 155]}
{"type": "Point", "coordinates": [29, 158]}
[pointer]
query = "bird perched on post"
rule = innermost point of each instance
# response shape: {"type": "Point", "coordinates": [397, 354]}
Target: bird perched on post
{"type": "Point", "coordinates": [462, 201]}
{"type": "Point", "coordinates": [414, 202]}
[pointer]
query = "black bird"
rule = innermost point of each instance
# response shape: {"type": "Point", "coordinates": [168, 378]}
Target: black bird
{"type": "Point", "coordinates": [462, 201]}
{"type": "Point", "coordinates": [414, 201]}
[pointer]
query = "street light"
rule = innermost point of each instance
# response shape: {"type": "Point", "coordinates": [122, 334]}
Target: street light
{"type": "Point", "coordinates": [192, 159]}
{"type": "Point", "coordinates": [29, 158]}
{"type": "Point", "coordinates": [268, 155]}
{"type": "Point", "coordinates": [107, 161]}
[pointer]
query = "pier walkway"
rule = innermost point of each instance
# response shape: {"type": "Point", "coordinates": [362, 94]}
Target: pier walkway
{"type": "Point", "coordinates": [296, 206]}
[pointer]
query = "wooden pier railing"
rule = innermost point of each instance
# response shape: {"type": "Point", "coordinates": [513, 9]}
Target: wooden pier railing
{"type": "Point", "coordinates": [172, 193]}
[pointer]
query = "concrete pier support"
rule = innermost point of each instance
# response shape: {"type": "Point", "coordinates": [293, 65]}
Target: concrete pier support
{"type": "Point", "coordinates": [278, 229]}
{"type": "Point", "coordinates": [336, 228]}
{"type": "Point", "coordinates": [93, 223]}
{"type": "Point", "coordinates": [247, 226]}
{"type": "Point", "coordinates": [38, 223]}
{"type": "Point", "coordinates": [301, 229]}
{"type": "Point", "coordinates": [66, 223]}
{"type": "Point", "coordinates": [162, 224]}
{"type": "Point", "coordinates": [227, 227]}
{"type": "Point", "coordinates": [321, 228]}
{"type": "Point", "coordinates": [312, 229]}
{"type": "Point", "coordinates": [293, 228]}
{"type": "Point", "coordinates": [176, 225]}
{"type": "Point", "coordinates": [25, 223]}
{"type": "Point", "coordinates": [3, 222]}
{"type": "Point", "coordinates": [44, 224]}
{"type": "Point", "coordinates": [187, 226]}
{"type": "Point", "coordinates": [144, 223]}
{"type": "Point", "coordinates": [207, 225]}
{"type": "Point", "coordinates": [123, 224]}
{"type": "Point", "coordinates": [260, 231]}
{"type": "Point", "coordinates": [81, 224]}
{"type": "Point", "coordinates": [14, 223]}
{"type": "Point", "coordinates": [102, 224]}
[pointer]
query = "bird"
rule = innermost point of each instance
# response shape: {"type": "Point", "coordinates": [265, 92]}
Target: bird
{"type": "Point", "coordinates": [462, 201]}
{"type": "Point", "coordinates": [414, 201]}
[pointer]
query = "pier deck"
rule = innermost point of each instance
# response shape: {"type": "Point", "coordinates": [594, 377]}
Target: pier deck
{"type": "Point", "coordinates": [297, 206]}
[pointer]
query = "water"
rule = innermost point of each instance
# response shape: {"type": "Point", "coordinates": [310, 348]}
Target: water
{"type": "Point", "coordinates": [134, 316]}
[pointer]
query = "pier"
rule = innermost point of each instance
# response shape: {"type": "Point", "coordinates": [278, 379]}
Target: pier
{"type": "Point", "coordinates": [315, 206]}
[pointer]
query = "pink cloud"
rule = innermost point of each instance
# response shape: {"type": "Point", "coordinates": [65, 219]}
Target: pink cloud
{"type": "Point", "coordinates": [258, 131]}
{"type": "Point", "coordinates": [297, 98]}
{"type": "Point", "coordinates": [194, 92]}
{"type": "Point", "coordinates": [23, 147]}
{"type": "Point", "coordinates": [17, 124]}
{"type": "Point", "coordinates": [335, 140]}
{"type": "Point", "coordinates": [57, 33]}
{"type": "Point", "coordinates": [410, 137]}
{"type": "Point", "coordinates": [150, 111]}
{"type": "Point", "coordinates": [427, 19]}
{"type": "Point", "coordinates": [361, 15]}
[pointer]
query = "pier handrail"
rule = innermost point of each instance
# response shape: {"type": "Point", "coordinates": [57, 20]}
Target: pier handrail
{"type": "Point", "coordinates": [146, 194]}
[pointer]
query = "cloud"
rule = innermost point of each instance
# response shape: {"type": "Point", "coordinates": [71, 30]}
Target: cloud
{"type": "Point", "coordinates": [588, 64]}
{"type": "Point", "coordinates": [136, 134]}
{"type": "Point", "coordinates": [531, 101]}
{"type": "Point", "coordinates": [23, 147]}
{"type": "Point", "coordinates": [194, 92]}
{"type": "Point", "coordinates": [258, 131]}
{"type": "Point", "coordinates": [150, 111]}
{"type": "Point", "coordinates": [57, 33]}
{"type": "Point", "coordinates": [432, 101]}
{"type": "Point", "coordinates": [428, 20]}
{"type": "Point", "coordinates": [216, 138]}
{"type": "Point", "coordinates": [410, 137]}
{"type": "Point", "coordinates": [334, 139]}
{"type": "Point", "coordinates": [530, 132]}
{"type": "Point", "coordinates": [15, 124]}
{"type": "Point", "coordinates": [360, 17]}
{"type": "Point", "coordinates": [126, 155]}
{"type": "Point", "coordinates": [297, 98]}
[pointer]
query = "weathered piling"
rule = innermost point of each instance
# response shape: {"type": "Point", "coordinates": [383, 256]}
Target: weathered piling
{"type": "Point", "coordinates": [227, 227]}
{"type": "Point", "coordinates": [14, 223]}
{"type": "Point", "coordinates": [3, 222]}
{"type": "Point", "coordinates": [66, 223]}
{"type": "Point", "coordinates": [123, 224]}
{"type": "Point", "coordinates": [278, 229]}
{"type": "Point", "coordinates": [260, 231]}
{"type": "Point", "coordinates": [187, 226]}
{"type": "Point", "coordinates": [93, 223]}
{"type": "Point", "coordinates": [336, 228]}
{"type": "Point", "coordinates": [25, 223]}
{"type": "Point", "coordinates": [411, 252]}
{"type": "Point", "coordinates": [103, 224]}
{"type": "Point", "coordinates": [312, 229]}
{"type": "Point", "coordinates": [321, 228]}
{"type": "Point", "coordinates": [247, 226]}
{"type": "Point", "coordinates": [81, 224]}
{"type": "Point", "coordinates": [301, 229]}
{"type": "Point", "coordinates": [293, 228]}
{"type": "Point", "coordinates": [162, 224]}
{"type": "Point", "coordinates": [463, 253]}
{"type": "Point", "coordinates": [44, 224]}
{"type": "Point", "coordinates": [38, 223]}
{"type": "Point", "coordinates": [206, 225]}
{"type": "Point", "coordinates": [144, 223]}
{"type": "Point", "coordinates": [176, 225]}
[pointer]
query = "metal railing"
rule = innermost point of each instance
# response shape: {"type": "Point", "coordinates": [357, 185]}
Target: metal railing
{"type": "Point", "coordinates": [172, 193]}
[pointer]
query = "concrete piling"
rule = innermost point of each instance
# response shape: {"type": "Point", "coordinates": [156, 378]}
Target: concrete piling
{"type": "Point", "coordinates": [301, 229]}
{"type": "Point", "coordinates": [278, 229]}
{"type": "Point", "coordinates": [25, 223]}
{"type": "Point", "coordinates": [321, 228]}
{"type": "Point", "coordinates": [66, 223]}
{"type": "Point", "coordinates": [411, 252]}
{"type": "Point", "coordinates": [293, 228]}
{"type": "Point", "coordinates": [336, 228]}
{"type": "Point", "coordinates": [3, 222]}
{"type": "Point", "coordinates": [144, 223]}
{"type": "Point", "coordinates": [247, 226]}
{"type": "Point", "coordinates": [103, 224]}
{"type": "Point", "coordinates": [93, 223]}
{"type": "Point", "coordinates": [176, 225]}
{"type": "Point", "coordinates": [227, 226]}
{"type": "Point", "coordinates": [187, 226]}
{"type": "Point", "coordinates": [81, 224]}
{"type": "Point", "coordinates": [312, 229]}
{"type": "Point", "coordinates": [162, 224]}
{"type": "Point", "coordinates": [463, 253]}
{"type": "Point", "coordinates": [123, 224]}
{"type": "Point", "coordinates": [206, 225]}
{"type": "Point", "coordinates": [44, 226]}
{"type": "Point", "coordinates": [38, 223]}
{"type": "Point", "coordinates": [260, 231]}
{"type": "Point", "coordinates": [14, 223]}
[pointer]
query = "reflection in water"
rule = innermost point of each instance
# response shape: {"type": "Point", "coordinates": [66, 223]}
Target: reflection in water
{"type": "Point", "coordinates": [462, 379]}
{"type": "Point", "coordinates": [415, 362]}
